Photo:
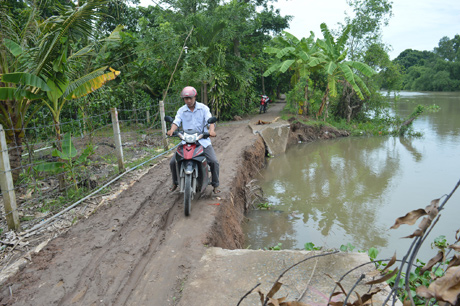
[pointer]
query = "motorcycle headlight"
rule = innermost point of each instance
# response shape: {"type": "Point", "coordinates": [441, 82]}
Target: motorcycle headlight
{"type": "Point", "coordinates": [190, 138]}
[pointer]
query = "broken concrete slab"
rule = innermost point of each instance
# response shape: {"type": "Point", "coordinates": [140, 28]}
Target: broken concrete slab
{"type": "Point", "coordinates": [225, 276]}
{"type": "Point", "coordinates": [275, 135]}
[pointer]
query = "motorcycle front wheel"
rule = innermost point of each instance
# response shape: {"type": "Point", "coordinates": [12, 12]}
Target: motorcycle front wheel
{"type": "Point", "coordinates": [188, 194]}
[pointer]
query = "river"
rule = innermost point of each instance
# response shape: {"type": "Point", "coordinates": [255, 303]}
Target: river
{"type": "Point", "coordinates": [351, 190]}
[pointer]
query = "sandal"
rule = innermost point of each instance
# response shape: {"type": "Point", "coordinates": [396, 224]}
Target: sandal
{"type": "Point", "coordinates": [173, 188]}
{"type": "Point", "coordinates": [215, 190]}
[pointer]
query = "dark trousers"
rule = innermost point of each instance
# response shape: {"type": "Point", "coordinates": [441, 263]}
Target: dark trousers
{"type": "Point", "coordinates": [212, 161]}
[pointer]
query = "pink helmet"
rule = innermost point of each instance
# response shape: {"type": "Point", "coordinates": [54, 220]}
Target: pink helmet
{"type": "Point", "coordinates": [188, 92]}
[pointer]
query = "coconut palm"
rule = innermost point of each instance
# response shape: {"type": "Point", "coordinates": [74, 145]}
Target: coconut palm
{"type": "Point", "coordinates": [338, 70]}
{"type": "Point", "coordinates": [301, 56]}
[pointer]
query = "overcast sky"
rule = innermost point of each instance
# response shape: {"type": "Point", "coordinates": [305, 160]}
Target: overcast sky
{"type": "Point", "coordinates": [416, 24]}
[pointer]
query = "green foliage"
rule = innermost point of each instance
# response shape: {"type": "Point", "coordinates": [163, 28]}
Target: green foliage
{"type": "Point", "coordinates": [275, 248]}
{"type": "Point", "coordinates": [310, 246]}
{"type": "Point", "coordinates": [372, 252]}
{"type": "Point", "coordinates": [432, 71]}
{"type": "Point", "coordinates": [369, 19]}
{"type": "Point", "coordinates": [263, 206]}
{"type": "Point", "coordinates": [69, 160]}
{"type": "Point", "coordinates": [347, 248]}
{"type": "Point", "coordinates": [440, 242]}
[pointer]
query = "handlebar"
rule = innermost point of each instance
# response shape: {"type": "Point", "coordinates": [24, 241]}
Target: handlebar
{"type": "Point", "coordinates": [181, 135]}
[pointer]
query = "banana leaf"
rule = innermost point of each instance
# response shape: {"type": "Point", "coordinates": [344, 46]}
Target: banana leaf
{"type": "Point", "coordinates": [12, 93]}
{"type": "Point", "coordinates": [92, 84]}
{"type": "Point", "coordinates": [54, 167]}
{"type": "Point", "coordinates": [26, 79]}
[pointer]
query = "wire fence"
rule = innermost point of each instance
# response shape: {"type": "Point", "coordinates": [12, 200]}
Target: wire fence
{"type": "Point", "coordinates": [45, 168]}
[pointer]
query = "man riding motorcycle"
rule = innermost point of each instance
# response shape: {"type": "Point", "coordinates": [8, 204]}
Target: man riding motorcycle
{"type": "Point", "coordinates": [195, 115]}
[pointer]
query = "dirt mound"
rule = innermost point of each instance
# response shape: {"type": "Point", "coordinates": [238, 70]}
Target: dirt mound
{"type": "Point", "coordinates": [307, 133]}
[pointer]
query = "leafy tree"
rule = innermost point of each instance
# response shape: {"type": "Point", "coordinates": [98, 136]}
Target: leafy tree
{"type": "Point", "coordinates": [370, 16]}
{"type": "Point", "coordinates": [409, 58]}
{"type": "Point", "coordinates": [389, 73]}
{"type": "Point", "coordinates": [449, 49]}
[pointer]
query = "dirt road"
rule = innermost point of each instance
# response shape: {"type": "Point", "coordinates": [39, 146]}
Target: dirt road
{"type": "Point", "coordinates": [140, 248]}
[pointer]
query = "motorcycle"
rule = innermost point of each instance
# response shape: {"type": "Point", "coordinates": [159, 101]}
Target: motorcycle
{"type": "Point", "coordinates": [263, 103]}
{"type": "Point", "coordinates": [192, 168]}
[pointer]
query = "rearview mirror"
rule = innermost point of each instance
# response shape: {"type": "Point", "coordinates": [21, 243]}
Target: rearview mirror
{"type": "Point", "coordinates": [169, 119]}
{"type": "Point", "coordinates": [212, 120]}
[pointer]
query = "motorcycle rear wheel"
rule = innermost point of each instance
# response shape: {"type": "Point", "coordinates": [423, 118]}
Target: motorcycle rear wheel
{"type": "Point", "coordinates": [188, 194]}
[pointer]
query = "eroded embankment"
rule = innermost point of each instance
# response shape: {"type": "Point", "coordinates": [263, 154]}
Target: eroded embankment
{"type": "Point", "coordinates": [226, 231]}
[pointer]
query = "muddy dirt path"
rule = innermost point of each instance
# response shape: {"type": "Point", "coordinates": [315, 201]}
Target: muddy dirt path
{"type": "Point", "coordinates": [140, 248]}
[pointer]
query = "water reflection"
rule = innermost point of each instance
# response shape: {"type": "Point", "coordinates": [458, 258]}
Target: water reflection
{"type": "Point", "coordinates": [351, 190]}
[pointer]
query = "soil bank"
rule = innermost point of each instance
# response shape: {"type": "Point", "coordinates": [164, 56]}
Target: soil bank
{"type": "Point", "coordinates": [140, 248]}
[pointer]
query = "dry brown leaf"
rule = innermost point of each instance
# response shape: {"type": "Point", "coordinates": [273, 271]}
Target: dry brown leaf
{"type": "Point", "coordinates": [281, 300]}
{"type": "Point", "coordinates": [359, 301]}
{"type": "Point", "coordinates": [433, 205]}
{"type": "Point", "coordinates": [368, 296]}
{"type": "Point", "coordinates": [426, 222]}
{"type": "Point", "coordinates": [384, 278]}
{"type": "Point", "coordinates": [418, 232]}
{"type": "Point", "coordinates": [294, 303]}
{"type": "Point", "coordinates": [430, 264]}
{"type": "Point", "coordinates": [407, 302]}
{"type": "Point", "coordinates": [455, 261]}
{"type": "Point", "coordinates": [446, 288]}
{"type": "Point", "coordinates": [343, 290]}
{"type": "Point", "coordinates": [274, 289]}
{"type": "Point", "coordinates": [410, 218]}
{"type": "Point", "coordinates": [261, 295]}
{"type": "Point", "coordinates": [262, 122]}
{"type": "Point", "coordinates": [336, 303]}
{"type": "Point", "coordinates": [273, 302]}
{"type": "Point", "coordinates": [455, 247]}
{"type": "Point", "coordinates": [390, 263]}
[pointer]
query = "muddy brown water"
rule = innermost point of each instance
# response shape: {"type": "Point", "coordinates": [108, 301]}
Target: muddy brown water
{"type": "Point", "coordinates": [351, 190]}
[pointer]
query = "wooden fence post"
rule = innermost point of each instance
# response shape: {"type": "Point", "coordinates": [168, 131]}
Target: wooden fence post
{"type": "Point", "coordinates": [6, 183]}
{"type": "Point", "coordinates": [163, 125]}
{"type": "Point", "coordinates": [117, 138]}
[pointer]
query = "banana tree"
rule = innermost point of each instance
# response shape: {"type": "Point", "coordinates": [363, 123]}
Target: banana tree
{"type": "Point", "coordinates": [46, 72]}
{"type": "Point", "coordinates": [301, 56]}
{"type": "Point", "coordinates": [20, 91]}
{"type": "Point", "coordinates": [338, 70]}
{"type": "Point", "coordinates": [64, 91]}
{"type": "Point", "coordinates": [68, 160]}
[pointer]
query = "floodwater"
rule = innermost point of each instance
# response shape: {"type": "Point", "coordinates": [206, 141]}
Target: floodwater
{"type": "Point", "coordinates": [351, 190]}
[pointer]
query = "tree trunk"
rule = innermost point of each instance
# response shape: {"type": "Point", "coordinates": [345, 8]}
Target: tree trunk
{"type": "Point", "coordinates": [325, 101]}
{"type": "Point", "coordinates": [263, 83]}
{"type": "Point", "coordinates": [306, 104]}
{"type": "Point", "coordinates": [60, 176]}
{"type": "Point", "coordinates": [205, 92]}
{"type": "Point", "coordinates": [236, 47]}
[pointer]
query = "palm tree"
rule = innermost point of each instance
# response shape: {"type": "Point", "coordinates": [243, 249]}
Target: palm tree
{"type": "Point", "coordinates": [338, 70]}
{"type": "Point", "coordinates": [301, 56]}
